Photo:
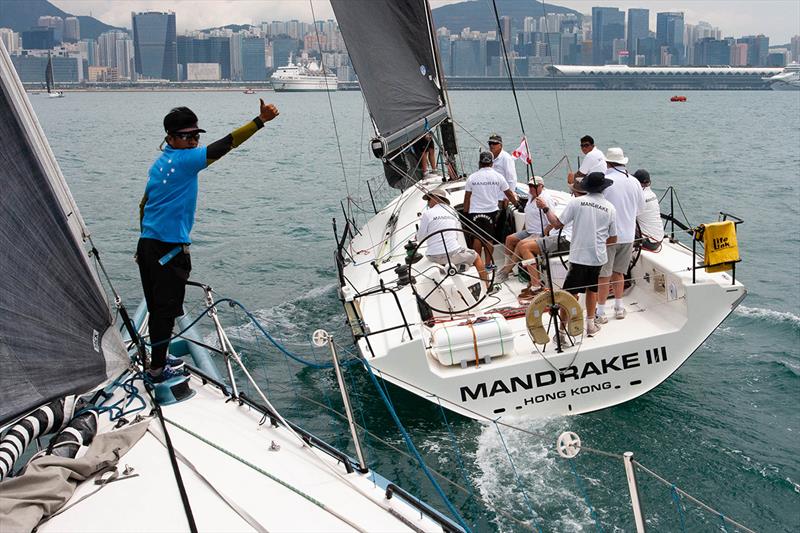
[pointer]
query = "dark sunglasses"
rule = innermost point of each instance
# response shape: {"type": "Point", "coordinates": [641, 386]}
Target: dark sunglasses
{"type": "Point", "coordinates": [584, 145]}
{"type": "Point", "coordinates": [186, 136]}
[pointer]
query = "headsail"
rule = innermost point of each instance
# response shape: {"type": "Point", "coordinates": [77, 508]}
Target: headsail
{"type": "Point", "coordinates": [56, 332]}
{"type": "Point", "coordinates": [393, 49]}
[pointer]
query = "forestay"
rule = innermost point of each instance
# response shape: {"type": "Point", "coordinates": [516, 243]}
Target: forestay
{"type": "Point", "coordinates": [392, 47]}
{"type": "Point", "coordinates": [55, 326]}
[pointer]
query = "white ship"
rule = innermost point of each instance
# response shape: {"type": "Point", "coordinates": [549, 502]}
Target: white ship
{"type": "Point", "coordinates": [293, 77]}
{"type": "Point", "coordinates": [788, 80]}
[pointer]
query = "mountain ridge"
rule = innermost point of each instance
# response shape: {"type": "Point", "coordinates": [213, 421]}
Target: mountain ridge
{"type": "Point", "coordinates": [22, 15]}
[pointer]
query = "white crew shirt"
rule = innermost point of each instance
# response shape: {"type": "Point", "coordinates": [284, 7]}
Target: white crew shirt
{"type": "Point", "coordinates": [533, 215]}
{"type": "Point", "coordinates": [594, 161]}
{"type": "Point", "coordinates": [626, 195]}
{"type": "Point", "coordinates": [504, 164]}
{"type": "Point", "coordinates": [593, 222]}
{"type": "Point", "coordinates": [486, 186]}
{"type": "Point", "coordinates": [650, 219]}
{"type": "Point", "coordinates": [437, 218]}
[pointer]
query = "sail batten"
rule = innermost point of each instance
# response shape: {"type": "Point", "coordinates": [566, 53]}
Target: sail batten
{"type": "Point", "coordinates": [393, 53]}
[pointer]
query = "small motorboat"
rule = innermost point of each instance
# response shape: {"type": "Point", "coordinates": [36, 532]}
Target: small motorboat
{"type": "Point", "coordinates": [678, 98]}
{"type": "Point", "coordinates": [249, 91]}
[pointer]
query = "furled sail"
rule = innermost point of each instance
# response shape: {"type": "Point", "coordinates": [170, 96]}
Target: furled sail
{"type": "Point", "coordinates": [56, 331]}
{"type": "Point", "coordinates": [48, 74]}
{"type": "Point", "coordinates": [393, 50]}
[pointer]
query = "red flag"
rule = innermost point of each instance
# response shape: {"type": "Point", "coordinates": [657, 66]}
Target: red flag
{"type": "Point", "coordinates": [522, 152]}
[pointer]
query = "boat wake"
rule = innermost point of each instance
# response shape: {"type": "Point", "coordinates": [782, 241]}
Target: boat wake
{"type": "Point", "coordinates": [769, 315]}
{"type": "Point", "coordinates": [553, 499]}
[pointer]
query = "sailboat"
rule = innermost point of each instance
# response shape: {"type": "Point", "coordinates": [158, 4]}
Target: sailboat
{"type": "Point", "coordinates": [435, 330]}
{"type": "Point", "coordinates": [194, 453]}
{"type": "Point", "coordinates": [48, 77]}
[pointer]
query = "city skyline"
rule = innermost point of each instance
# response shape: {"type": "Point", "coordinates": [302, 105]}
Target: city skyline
{"type": "Point", "coordinates": [778, 19]}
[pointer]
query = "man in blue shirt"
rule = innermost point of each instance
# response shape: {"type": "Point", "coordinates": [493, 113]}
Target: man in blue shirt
{"type": "Point", "coordinates": [167, 216]}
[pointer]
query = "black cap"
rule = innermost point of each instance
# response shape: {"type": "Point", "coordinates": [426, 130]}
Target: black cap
{"type": "Point", "coordinates": [486, 158]}
{"type": "Point", "coordinates": [643, 176]}
{"type": "Point", "coordinates": [495, 138]}
{"type": "Point", "coordinates": [181, 120]}
{"type": "Point", "coordinates": [594, 182]}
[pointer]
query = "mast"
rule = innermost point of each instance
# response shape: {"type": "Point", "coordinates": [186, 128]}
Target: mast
{"type": "Point", "coordinates": [48, 73]}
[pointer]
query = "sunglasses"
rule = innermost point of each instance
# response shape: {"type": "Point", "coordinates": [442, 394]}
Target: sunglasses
{"type": "Point", "coordinates": [584, 145]}
{"type": "Point", "coordinates": [186, 136]}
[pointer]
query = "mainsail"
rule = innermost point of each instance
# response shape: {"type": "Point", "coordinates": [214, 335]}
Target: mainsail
{"type": "Point", "coordinates": [393, 49]}
{"type": "Point", "coordinates": [48, 74]}
{"type": "Point", "coordinates": [56, 331]}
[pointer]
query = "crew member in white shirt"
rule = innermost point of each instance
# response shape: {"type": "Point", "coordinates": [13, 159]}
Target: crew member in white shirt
{"type": "Point", "coordinates": [593, 229]}
{"type": "Point", "coordinates": [651, 229]}
{"type": "Point", "coordinates": [446, 248]}
{"type": "Point", "coordinates": [593, 160]}
{"type": "Point", "coordinates": [625, 194]}
{"type": "Point", "coordinates": [480, 204]}
{"type": "Point", "coordinates": [504, 164]}
{"type": "Point", "coordinates": [535, 221]}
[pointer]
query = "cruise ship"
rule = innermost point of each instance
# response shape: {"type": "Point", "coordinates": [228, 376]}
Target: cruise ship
{"type": "Point", "coordinates": [788, 80]}
{"type": "Point", "coordinates": [294, 77]}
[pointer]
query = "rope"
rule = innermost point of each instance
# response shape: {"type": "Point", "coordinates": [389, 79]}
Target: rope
{"type": "Point", "coordinates": [413, 448]}
{"type": "Point", "coordinates": [583, 490]}
{"type": "Point", "coordinates": [693, 499]}
{"type": "Point", "coordinates": [517, 478]}
{"type": "Point", "coordinates": [330, 101]}
{"type": "Point", "coordinates": [676, 499]}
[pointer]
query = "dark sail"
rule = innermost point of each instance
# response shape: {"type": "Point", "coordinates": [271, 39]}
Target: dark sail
{"type": "Point", "coordinates": [391, 45]}
{"type": "Point", "coordinates": [48, 73]}
{"type": "Point", "coordinates": [56, 334]}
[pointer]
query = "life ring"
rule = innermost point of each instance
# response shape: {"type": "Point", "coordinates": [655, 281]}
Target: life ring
{"type": "Point", "coordinates": [539, 306]}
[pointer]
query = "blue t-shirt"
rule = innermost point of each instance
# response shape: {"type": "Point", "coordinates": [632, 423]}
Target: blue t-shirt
{"type": "Point", "coordinates": [172, 194]}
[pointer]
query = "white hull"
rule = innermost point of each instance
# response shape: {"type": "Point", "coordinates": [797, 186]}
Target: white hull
{"type": "Point", "coordinates": [629, 357]}
{"type": "Point", "coordinates": [299, 474]}
{"type": "Point", "coordinates": [785, 85]}
{"type": "Point", "coordinates": [305, 84]}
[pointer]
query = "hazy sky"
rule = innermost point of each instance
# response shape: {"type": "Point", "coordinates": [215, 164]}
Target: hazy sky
{"type": "Point", "coordinates": [778, 19]}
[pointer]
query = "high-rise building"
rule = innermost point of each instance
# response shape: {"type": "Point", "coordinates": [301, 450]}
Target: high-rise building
{"type": "Point", "coordinates": [608, 23]}
{"type": "Point", "coordinates": [638, 28]}
{"type": "Point", "coordinates": [236, 54]}
{"type": "Point", "coordinates": [794, 48]}
{"type": "Point", "coordinates": [107, 47]}
{"type": "Point", "coordinates": [669, 33]}
{"type": "Point", "coordinates": [39, 38]}
{"type": "Point", "coordinates": [11, 40]}
{"type": "Point", "coordinates": [281, 48]}
{"type": "Point", "coordinates": [467, 58]}
{"type": "Point", "coordinates": [72, 29]}
{"type": "Point", "coordinates": [445, 54]}
{"type": "Point", "coordinates": [90, 51]}
{"type": "Point", "coordinates": [738, 55]}
{"type": "Point", "coordinates": [57, 23]}
{"type": "Point", "coordinates": [253, 60]}
{"type": "Point", "coordinates": [710, 51]}
{"type": "Point", "coordinates": [649, 51]}
{"type": "Point", "coordinates": [155, 45]}
{"type": "Point", "coordinates": [757, 49]}
{"type": "Point", "coordinates": [213, 50]}
{"type": "Point", "coordinates": [124, 56]}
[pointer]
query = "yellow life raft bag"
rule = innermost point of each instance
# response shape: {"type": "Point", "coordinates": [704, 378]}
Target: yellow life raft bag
{"type": "Point", "coordinates": [721, 248]}
{"type": "Point", "coordinates": [540, 306]}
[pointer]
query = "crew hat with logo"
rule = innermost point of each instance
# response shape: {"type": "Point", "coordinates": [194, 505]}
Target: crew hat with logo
{"type": "Point", "coordinates": [643, 176]}
{"type": "Point", "coordinates": [594, 182]}
{"type": "Point", "coordinates": [536, 180]}
{"type": "Point", "coordinates": [495, 139]}
{"type": "Point", "coordinates": [615, 155]}
{"type": "Point", "coordinates": [440, 194]}
{"type": "Point", "coordinates": [486, 158]}
{"type": "Point", "coordinates": [181, 120]}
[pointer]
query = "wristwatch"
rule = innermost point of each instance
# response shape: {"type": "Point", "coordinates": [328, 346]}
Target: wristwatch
{"type": "Point", "coordinates": [545, 210]}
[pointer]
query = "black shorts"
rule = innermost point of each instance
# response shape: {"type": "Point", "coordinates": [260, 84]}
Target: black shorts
{"type": "Point", "coordinates": [582, 278]}
{"type": "Point", "coordinates": [483, 225]}
{"type": "Point", "coordinates": [164, 286]}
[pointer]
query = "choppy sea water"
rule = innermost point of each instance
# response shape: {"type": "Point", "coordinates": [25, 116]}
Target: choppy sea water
{"type": "Point", "coordinates": [724, 428]}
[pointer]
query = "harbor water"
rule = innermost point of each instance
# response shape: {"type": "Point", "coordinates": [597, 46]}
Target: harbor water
{"type": "Point", "coordinates": [724, 428]}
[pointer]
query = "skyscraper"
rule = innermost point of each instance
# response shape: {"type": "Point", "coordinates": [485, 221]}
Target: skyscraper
{"type": "Point", "coordinates": [638, 28]}
{"type": "Point", "coordinates": [253, 60]}
{"type": "Point", "coordinates": [669, 33]}
{"type": "Point", "coordinates": [155, 45]}
{"type": "Point", "coordinates": [72, 30]}
{"type": "Point", "coordinates": [608, 23]}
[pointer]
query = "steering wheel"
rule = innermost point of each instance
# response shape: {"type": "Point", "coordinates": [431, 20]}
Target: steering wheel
{"type": "Point", "coordinates": [451, 270]}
